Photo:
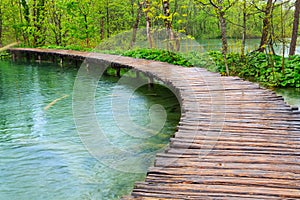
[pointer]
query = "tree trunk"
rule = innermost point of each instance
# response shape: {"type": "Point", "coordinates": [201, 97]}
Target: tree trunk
{"type": "Point", "coordinates": [59, 27]}
{"type": "Point", "coordinates": [87, 39]}
{"type": "Point", "coordinates": [34, 17]}
{"type": "Point", "coordinates": [283, 40]}
{"type": "Point", "coordinates": [15, 19]}
{"type": "Point", "coordinates": [173, 43]}
{"type": "Point", "coordinates": [41, 21]}
{"type": "Point", "coordinates": [167, 20]}
{"type": "Point", "coordinates": [222, 24]}
{"type": "Point", "coordinates": [168, 23]}
{"type": "Point", "coordinates": [295, 28]}
{"type": "Point", "coordinates": [1, 23]}
{"type": "Point", "coordinates": [27, 19]}
{"type": "Point", "coordinates": [266, 26]}
{"type": "Point", "coordinates": [107, 19]}
{"type": "Point", "coordinates": [56, 20]}
{"type": "Point", "coordinates": [132, 8]}
{"type": "Point", "coordinates": [102, 31]}
{"type": "Point", "coordinates": [244, 27]}
{"type": "Point", "coordinates": [136, 24]}
{"type": "Point", "coordinates": [38, 20]}
{"type": "Point", "coordinates": [25, 10]}
{"type": "Point", "coordinates": [148, 23]}
{"type": "Point", "coordinates": [224, 37]}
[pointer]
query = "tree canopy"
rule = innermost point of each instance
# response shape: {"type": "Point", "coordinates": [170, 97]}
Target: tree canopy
{"type": "Point", "coordinates": [88, 22]}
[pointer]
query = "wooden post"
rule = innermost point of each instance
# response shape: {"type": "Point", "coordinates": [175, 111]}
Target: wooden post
{"type": "Point", "coordinates": [118, 72]}
{"type": "Point", "coordinates": [294, 108]}
{"type": "Point", "coordinates": [39, 58]}
{"type": "Point", "coordinates": [14, 57]}
{"type": "Point", "coordinates": [28, 57]}
{"type": "Point", "coordinates": [87, 67]}
{"type": "Point", "coordinates": [151, 82]}
{"type": "Point", "coordinates": [61, 61]}
{"type": "Point", "coordinates": [53, 59]}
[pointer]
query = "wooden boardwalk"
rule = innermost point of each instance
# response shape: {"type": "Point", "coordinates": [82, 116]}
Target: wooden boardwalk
{"type": "Point", "coordinates": [235, 140]}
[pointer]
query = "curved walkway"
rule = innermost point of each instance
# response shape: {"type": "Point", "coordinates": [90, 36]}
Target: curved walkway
{"type": "Point", "coordinates": [235, 140]}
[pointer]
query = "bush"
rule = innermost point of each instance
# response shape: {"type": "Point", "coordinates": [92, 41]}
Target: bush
{"type": "Point", "coordinates": [158, 55]}
{"type": "Point", "coordinates": [260, 67]}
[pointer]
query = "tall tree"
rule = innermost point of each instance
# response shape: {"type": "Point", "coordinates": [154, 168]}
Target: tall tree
{"type": "Point", "coordinates": [84, 12]}
{"type": "Point", "coordinates": [173, 43]}
{"type": "Point", "coordinates": [82, 27]}
{"type": "Point", "coordinates": [1, 24]}
{"type": "Point", "coordinates": [266, 36]}
{"type": "Point", "coordinates": [147, 5]}
{"type": "Point", "coordinates": [295, 28]}
{"type": "Point", "coordinates": [107, 18]}
{"type": "Point", "coordinates": [136, 24]}
{"type": "Point", "coordinates": [27, 20]}
{"type": "Point", "coordinates": [244, 26]}
{"type": "Point", "coordinates": [55, 14]}
{"type": "Point", "coordinates": [39, 17]}
{"type": "Point", "coordinates": [221, 9]}
{"type": "Point", "coordinates": [167, 19]}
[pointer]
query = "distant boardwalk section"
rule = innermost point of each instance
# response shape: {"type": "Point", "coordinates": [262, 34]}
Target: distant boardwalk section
{"type": "Point", "coordinates": [235, 140]}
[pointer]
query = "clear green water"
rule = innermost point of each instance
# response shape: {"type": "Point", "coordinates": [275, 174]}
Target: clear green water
{"type": "Point", "coordinates": [41, 154]}
{"type": "Point", "coordinates": [234, 45]}
{"type": "Point", "coordinates": [291, 95]}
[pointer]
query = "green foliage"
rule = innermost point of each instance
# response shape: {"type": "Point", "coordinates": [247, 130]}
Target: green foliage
{"type": "Point", "coordinates": [87, 22]}
{"type": "Point", "coordinates": [260, 67]}
{"type": "Point", "coordinates": [68, 47]}
{"type": "Point", "coordinates": [159, 55]}
{"type": "Point", "coordinates": [203, 60]}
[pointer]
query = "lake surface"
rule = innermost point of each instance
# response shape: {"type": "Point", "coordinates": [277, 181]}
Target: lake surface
{"type": "Point", "coordinates": [41, 154]}
{"type": "Point", "coordinates": [234, 45]}
{"type": "Point", "coordinates": [291, 95]}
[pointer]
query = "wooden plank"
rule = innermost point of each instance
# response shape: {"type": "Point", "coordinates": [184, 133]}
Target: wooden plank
{"type": "Point", "coordinates": [202, 190]}
{"type": "Point", "coordinates": [199, 172]}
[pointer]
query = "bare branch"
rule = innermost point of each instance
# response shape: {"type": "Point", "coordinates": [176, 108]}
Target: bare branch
{"type": "Point", "coordinates": [254, 4]}
{"type": "Point", "coordinates": [213, 4]}
{"type": "Point", "coordinates": [203, 4]}
{"type": "Point", "coordinates": [231, 22]}
{"type": "Point", "coordinates": [230, 5]}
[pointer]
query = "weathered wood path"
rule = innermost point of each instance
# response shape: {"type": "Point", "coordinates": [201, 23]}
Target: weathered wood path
{"type": "Point", "coordinates": [235, 140]}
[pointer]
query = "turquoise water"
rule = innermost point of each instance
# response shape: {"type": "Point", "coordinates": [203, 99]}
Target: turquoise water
{"type": "Point", "coordinates": [234, 45]}
{"type": "Point", "coordinates": [291, 95]}
{"type": "Point", "coordinates": [41, 154]}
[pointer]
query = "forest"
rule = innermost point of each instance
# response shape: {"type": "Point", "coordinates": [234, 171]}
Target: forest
{"type": "Point", "coordinates": [84, 24]}
{"type": "Point", "coordinates": [88, 22]}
